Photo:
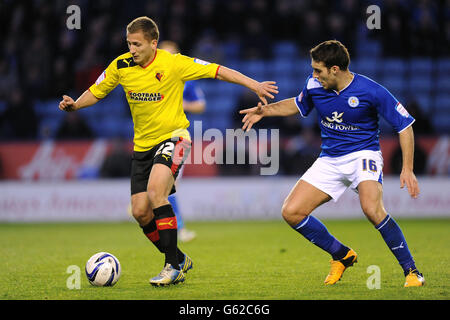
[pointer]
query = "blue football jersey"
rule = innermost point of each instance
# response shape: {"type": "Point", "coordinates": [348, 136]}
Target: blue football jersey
{"type": "Point", "coordinates": [348, 120]}
{"type": "Point", "coordinates": [192, 92]}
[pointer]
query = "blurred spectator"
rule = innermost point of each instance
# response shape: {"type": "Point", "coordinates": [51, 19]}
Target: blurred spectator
{"type": "Point", "coordinates": [256, 41]}
{"type": "Point", "coordinates": [8, 78]}
{"type": "Point", "coordinates": [213, 30]}
{"type": "Point", "coordinates": [425, 29]}
{"type": "Point", "coordinates": [74, 127]}
{"type": "Point", "coordinates": [299, 152]}
{"type": "Point", "coordinates": [206, 17]}
{"type": "Point", "coordinates": [311, 31]}
{"type": "Point", "coordinates": [62, 83]}
{"type": "Point", "coordinates": [420, 160]}
{"type": "Point", "coordinates": [19, 120]}
{"type": "Point", "coordinates": [117, 163]}
{"type": "Point", "coordinates": [237, 10]}
{"type": "Point", "coordinates": [291, 126]}
{"type": "Point", "coordinates": [88, 68]}
{"type": "Point", "coordinates": [422, 125]}
{"type": "Point", "coordinates": [247, 99]}
{"type": "Point", "coordinates": [395, 29]}
{"type": "Point", "coordinates": [287, 23]}
{"type": "Point", "coordinates": [410, 28]}
{"type": "Point", "coordinates": [36, 69]}
{"type": "Point", "coordinates": [208, 48]}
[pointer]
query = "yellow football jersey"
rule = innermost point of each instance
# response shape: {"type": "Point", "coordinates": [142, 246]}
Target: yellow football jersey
{"type": "Point", "coordinates": [154, 93]}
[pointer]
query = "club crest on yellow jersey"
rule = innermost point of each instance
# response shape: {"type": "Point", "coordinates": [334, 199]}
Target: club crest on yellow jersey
{"type": "Point", "coordinates": [159, 76]}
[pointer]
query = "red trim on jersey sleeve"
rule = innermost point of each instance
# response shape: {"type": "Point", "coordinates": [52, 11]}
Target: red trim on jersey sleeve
{"type": "Point", "coordinates": [217, 71]}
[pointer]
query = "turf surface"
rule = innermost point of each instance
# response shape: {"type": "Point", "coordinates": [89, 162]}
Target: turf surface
{"type": "Point", "coordinates": [254, 260]}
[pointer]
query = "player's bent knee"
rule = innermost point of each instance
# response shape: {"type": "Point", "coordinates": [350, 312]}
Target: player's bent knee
{"type": "Point", "coordinates": [292, 214]}
{"type": "Point", "coordinates": [373, 212]}
{"type": "Point", "coordinates": [369, 210]}
{"type": "Point", "coordinates": [141, 214]}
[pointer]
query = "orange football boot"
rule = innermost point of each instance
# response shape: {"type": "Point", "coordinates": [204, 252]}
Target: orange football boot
{"type": "Point", "coordinates": [338, 267]}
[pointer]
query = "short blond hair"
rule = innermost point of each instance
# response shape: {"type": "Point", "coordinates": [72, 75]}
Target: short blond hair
{"type": "Point", "coordinates": [146, 25]}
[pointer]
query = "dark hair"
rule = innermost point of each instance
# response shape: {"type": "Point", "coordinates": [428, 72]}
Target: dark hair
{"type": "Point", "coordinates": [331, 53]}
{"type": "Point", "coordinates": [146, 25]}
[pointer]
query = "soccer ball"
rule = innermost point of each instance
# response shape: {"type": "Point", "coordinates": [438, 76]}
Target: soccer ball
{"type": "Point", "coordinates": [103, 269]}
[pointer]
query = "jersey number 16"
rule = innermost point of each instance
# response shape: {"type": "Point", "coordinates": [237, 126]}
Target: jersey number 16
{"type": "Point", "coordinates": [371, 163]}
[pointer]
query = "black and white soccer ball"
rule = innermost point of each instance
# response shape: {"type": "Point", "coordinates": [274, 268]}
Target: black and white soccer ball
{"type": "Point", "coordinates": [103, 269]}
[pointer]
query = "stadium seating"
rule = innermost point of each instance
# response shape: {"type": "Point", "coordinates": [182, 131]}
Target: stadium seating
{"type": "Point", "coordinates": [420, 82]}
{"type": "Point", "coordinates": [285, 49]}
{"type": "Point", "coordinates": [422, 79]}
{"type": "Point", "coordinates": [395, 82]}
{"type": "Point", "coordinates": [394, 66]}
{"type": "Point", "coordinates": [442, 102]}
{"type": "Point", "coordinates": [3, 106]}
{"type": "Point", "coordinates": [441, 123]}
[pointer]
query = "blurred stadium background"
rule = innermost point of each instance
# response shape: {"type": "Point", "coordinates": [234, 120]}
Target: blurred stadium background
{"type": "Point", "coordinates": [56, 166]}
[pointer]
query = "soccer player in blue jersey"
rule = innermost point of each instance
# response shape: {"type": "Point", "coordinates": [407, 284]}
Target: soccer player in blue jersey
{"type": "Point", "coordinates": [348, 106]}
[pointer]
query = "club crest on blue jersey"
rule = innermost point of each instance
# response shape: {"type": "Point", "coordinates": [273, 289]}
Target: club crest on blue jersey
{"type": "Point", "coordinates": [353, 101]}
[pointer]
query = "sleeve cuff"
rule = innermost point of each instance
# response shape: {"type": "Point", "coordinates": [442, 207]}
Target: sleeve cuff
{"type": "Point", "coordinates": [299, 108]}
{"type": "Point", "coordinates": [409, 125]}
{"type": "Point", "coordinates": [217, 71]}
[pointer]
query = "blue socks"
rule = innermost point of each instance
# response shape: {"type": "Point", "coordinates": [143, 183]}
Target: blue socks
{"type": "Point", "coordinates": [174, 203]}
{"type": "Point", "coordinates": [393, 236]}
{"type": "Point", "coordinates": [315, 231]}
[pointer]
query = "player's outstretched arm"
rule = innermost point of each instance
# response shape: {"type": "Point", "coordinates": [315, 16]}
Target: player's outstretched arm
{"type": "Point", "coordinates": [197, 106]}
{"type": "Point", "coordinates": [262, 89]}
{"type": "Point", "coordinates": [407, 175]}
{"type": "Point", "coordinates": [283, 108]}
{"type": "Point", "coordinates": [85, 100]}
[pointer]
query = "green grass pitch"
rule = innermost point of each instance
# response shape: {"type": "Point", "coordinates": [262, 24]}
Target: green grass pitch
{"type": "Point", "coordinates": [237, 260]}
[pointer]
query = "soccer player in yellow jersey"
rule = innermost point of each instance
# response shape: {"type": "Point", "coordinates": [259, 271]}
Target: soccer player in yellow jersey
{"type": "Point", "coordinates": [153, 80]}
